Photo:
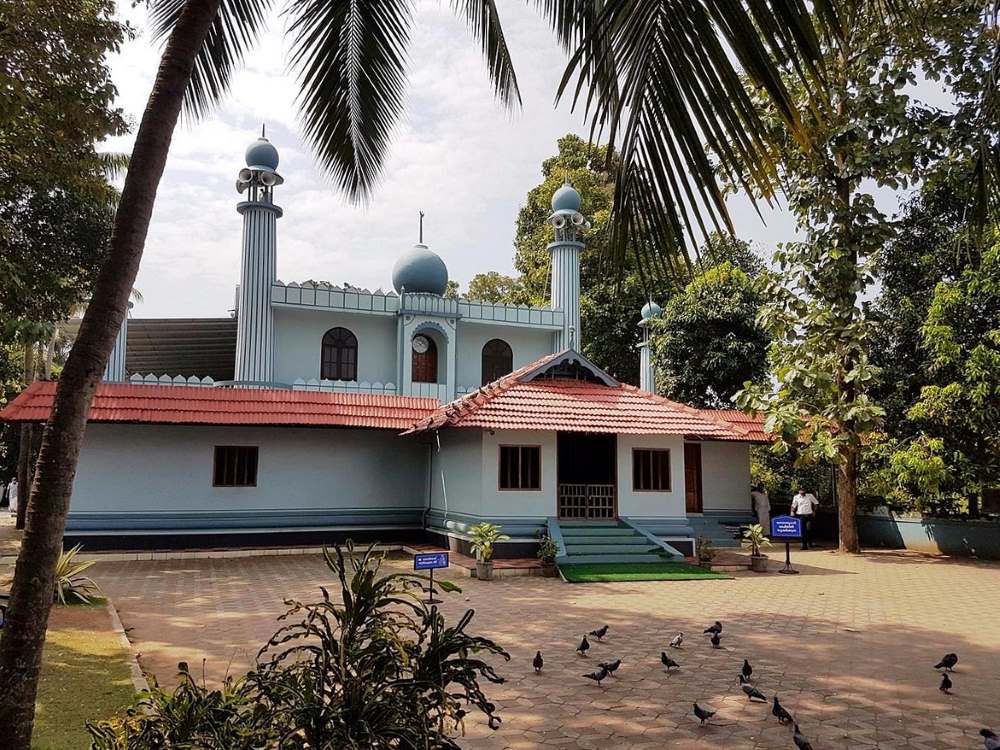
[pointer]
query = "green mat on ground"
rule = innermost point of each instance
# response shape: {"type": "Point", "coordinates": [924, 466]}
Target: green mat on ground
{"type": "Point", "coordinates": [651, 571]}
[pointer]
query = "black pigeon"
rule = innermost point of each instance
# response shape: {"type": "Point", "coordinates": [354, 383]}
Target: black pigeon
{"type": "Point", "coordinates": [780, 712]}
{"type": "Point", "coordinates": [583, 647]}
{"type": "Point", "coordinates": [599, 633]}
{"type": "Point", "coordinates": [948, 661]}
{"type": "Point", "coordinates": [990, 739]}
{"type": "Point", "coordinates": [611, 666]}
{"type": "Point", "coordinates": [716, 627]}
{"type": "Point", "coordinates": [747, 669]}
{"type": "Point", "coordinates": [677, 640]}
{"type": "Point", "coordinates": [703, 714]}
{"type": "Point", "coordinates": [538, 662]}
{"type": "Point", "coordinates": [668, 662]}
{"type": "Point", "coordinates": [716, 640]}
{"type": "Point", "coordinates": [800, 741]}
{"type": "Point", "coordinates": [597, 676]}
{"type": "Point", "coordinates": [751, 692]}
{"type": "Point", "coordinates": [945, 684]}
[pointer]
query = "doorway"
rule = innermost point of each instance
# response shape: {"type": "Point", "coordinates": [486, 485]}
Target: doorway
{"type": "Point", "coordinates": [692, 478]}
{"type": "Point", "coordinates": [587, 476]}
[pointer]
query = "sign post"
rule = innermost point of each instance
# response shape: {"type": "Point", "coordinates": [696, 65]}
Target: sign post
{"type": "Point", "coordinates": [787, 528]}
{"type": "Point", "coordinates": [430, 561]}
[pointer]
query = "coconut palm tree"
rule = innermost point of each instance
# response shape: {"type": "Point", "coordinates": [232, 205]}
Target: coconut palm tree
{"type": "Point", "coordinates": [659, 78]}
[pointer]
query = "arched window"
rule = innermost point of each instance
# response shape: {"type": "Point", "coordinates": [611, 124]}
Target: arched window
{"type": "Point", "coordinates": [425, 359]}
{"type": "Point", "coordinates": [339, 360]}
{"type": "Point", "coordinates": [498, 360]}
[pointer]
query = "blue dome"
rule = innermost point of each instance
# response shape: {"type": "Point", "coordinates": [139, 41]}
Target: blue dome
{"type": "Point", "coordinates": [566, 199]}
{"type": "Point", "coordinates": [651, 310]}
{"type": "Point", "coordinates": [261, 154]}
{"type": "Point", "coordinates": [419, 270]}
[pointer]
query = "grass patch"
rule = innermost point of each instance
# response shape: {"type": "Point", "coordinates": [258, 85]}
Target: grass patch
{"type": "Point", "coordinates": [653, 571]}
{"type": "Point", "coordinates": [85, 677]}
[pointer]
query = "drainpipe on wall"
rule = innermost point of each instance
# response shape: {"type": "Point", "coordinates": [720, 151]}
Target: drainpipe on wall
{"type": "Point", "coordinates": [430, 479]}
{"type": "Point", "coordinates": [444, 488]}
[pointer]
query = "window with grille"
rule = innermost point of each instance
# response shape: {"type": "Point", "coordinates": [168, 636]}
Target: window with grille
{"type": "Point", "coordinates": [235, 466]}
{"type": "Point", "coordinates": [520, 467]}
{"type": "Point", "coordinates": [339, 359]}
{"type": "Point", "coordinates": [650, 470]}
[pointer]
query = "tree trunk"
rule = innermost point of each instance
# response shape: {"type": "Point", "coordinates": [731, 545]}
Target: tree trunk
{"type": "Point", "coordinates": [847, 500]}
{"type": "Point", "coordinates": [31, 595]}
{"type": "Point", "coordinates": [26, 445]}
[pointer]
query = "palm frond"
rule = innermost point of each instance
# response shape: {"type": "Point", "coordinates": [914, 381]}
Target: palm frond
{"type": "Point", "coordinates": [484, 22]}
{"type": "Point", "coordinates": [115, 164]}
{"type": "Point", "coordinates": [234, 31]}
{"type": "Point", "coordinates": [350, 59]}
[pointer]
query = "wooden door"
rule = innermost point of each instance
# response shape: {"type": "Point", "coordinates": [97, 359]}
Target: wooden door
{"type": "Point", "coordinates": [692, 478]}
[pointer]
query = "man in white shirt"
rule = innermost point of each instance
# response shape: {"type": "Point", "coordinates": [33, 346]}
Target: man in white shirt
{"type": "Point", "coordinates": [12, 495]}
{"type": "Point", "coordinates": [761, 505]}
{"type": "Point", "coordinates": [804, 506]}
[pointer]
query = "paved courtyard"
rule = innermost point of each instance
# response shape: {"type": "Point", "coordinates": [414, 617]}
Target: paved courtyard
{"type": "Point", "coordinates": [848, 646]}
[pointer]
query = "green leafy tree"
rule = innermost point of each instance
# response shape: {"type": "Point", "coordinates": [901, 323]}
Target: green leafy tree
{"type": "Point", "coordinates": [707, 343]}
{"type": "Point", "coordinates": [494, 286]}
{"type": "Point", "coordinates": [867, 130]}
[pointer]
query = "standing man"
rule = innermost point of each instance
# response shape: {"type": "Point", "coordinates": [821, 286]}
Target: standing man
{"type": "Point", "coordinates": [761, 505]}
{"type": "Point", "coordinates": [12, 496]}
{"type": "Point", "coordinates": [804, 506]}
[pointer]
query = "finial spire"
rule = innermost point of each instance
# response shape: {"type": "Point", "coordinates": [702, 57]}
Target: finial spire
{"type": "Point", "coordinates": [263, 131]}
{"type": "Point", "coordinates": [421, 235]}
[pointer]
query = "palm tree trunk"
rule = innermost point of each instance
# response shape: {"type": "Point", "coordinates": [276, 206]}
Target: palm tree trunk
{"type": "Point", "coordinates": [26, 444]}
{"type": "Point", "coordinates": [847, 500]}
{"type": "Point", "coordinates": [31, 595]}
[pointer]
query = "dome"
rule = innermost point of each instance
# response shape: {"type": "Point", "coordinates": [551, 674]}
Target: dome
{"type": "Point", "coordinates": [566, 199]}
{"type": "Point", "coordinates": [419, 270]}
{"type": "Point", "coordinates": [651, 310]}
{"type": "Point", "coordinates": [261, 154]}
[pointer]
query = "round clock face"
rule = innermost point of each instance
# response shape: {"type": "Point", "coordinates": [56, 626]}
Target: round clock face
{"type": "Point", "coordinates": [420, 344]}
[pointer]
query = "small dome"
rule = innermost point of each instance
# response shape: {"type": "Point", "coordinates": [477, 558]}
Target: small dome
{"type": "Point", "coordinates": [419, 270]}
{"type": "Point", "coordinates": [261, 154]}
{"type": "Point", "coordinates": [651, 310]}
{"type": "Point", "coordinates": [566, 199]}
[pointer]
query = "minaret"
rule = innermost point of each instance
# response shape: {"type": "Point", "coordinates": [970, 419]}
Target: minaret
{"type": "Point", "coordinates": [114, 372]}
{"type": "Point", "coordinates": [569, 223]}
{"type": "Point", "coordinates": [255, 324]}
{"type": "Point", "coordinates": [647, 375]}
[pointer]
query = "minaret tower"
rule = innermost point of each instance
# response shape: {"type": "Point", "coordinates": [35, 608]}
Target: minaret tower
{"type": "Point", "coordinates": [647, 375]}
{"type": "Point", "coordinates": [569, 224]}
{"type": "Point", "coordinates": [254, 321]}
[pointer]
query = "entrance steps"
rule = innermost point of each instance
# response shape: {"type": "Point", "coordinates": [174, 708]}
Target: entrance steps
{"type": "Point", "coordinates": [610, 541]}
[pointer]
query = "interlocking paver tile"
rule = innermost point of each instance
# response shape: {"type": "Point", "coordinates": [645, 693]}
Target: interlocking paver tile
{"type": "Point", "coordinates": [848, 645]}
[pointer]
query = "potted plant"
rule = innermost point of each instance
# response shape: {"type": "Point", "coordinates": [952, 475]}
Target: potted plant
{"type": "Point", "coordinates": [706, 552]}
{"type": "Point", "coordinates": [754, 540]}
{"type": "Point", "coordinates": [547, 551]}
{"type": "Point", "coordinates": [484, 536]}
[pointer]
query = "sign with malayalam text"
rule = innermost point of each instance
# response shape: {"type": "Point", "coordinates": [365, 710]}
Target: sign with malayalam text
{"type": "Point", "coordinates": [430, 560]}
{"type": "Point", "coordinates": [786, 527]}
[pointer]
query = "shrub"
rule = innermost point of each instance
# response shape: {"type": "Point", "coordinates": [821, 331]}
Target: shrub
{"type": "Point", "coordinates": [547, 548]}
{"type": "Point", "coordinates": [378, 669]}
{"type": "Point", "coordinates": [70, 583]}
{"type": "Point", "coordinates": [484, 536]}
{"type": "Point", "coordinates": [754, 539]}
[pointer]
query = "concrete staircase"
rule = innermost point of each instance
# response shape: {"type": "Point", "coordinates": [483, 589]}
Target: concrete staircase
{"type": "Point", "coordinates": [722, 530]}
{"type": "Point", "coordinates": [612, 541]}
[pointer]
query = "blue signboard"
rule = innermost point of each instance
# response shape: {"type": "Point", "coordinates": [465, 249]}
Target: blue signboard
{"type": "Point", "coordinates": [430, 560]}
{"type": "Point", "coordinates": [786, 527]}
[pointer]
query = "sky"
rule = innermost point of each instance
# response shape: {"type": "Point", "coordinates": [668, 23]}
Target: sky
{"type": "Point", "coordinates": [457, 155]}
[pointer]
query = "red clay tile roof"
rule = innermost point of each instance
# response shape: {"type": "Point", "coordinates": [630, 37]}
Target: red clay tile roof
{"type": "Point", "coordinates": [753, 424]}
{"type": "Point", "coordinates": [511, 403]}
{"type": "Point", "coordinates": [178, 404]}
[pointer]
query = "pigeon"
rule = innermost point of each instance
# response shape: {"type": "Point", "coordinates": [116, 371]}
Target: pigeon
{"type": "Point", "coordinates": [945, 684]}
{"type": "Point", "coordinates": [582, 648]}
{"type": "Point", "coordinates": [597, 676]}
{"type": "Point", "coordinates": [800, 741]}
{"type": "Point", "coordinates": [716, 640]}
{"type": "Point", "coordinates": [780, 712]}
{"type": "Point", "coordinates": [599, 633]}
{"type": "Point", "coordinates": [948, 661]}
{"type": "Point", "coordinates": [747, 669]}
{"type": "Point", "coordinates": [677, 640]}
{"type": "Point", "coordinates": [990, 739]}
{"type": "Point", "coordinates": [538, 662]}
{"type": "Point", "coordinates": [751, 692]}
{"type": "Point", "coordinates": [668, 662]}
{"type": "Point", "coordinates": [611, 666]}
{"type": "Point", "coordinates": [703, 714]}
{"type": "Point", "coordinates": [716, 627]}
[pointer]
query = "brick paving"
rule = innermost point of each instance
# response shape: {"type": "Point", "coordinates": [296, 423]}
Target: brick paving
{"type": "Point", "coordinates": [848, 645]}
